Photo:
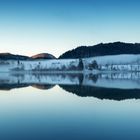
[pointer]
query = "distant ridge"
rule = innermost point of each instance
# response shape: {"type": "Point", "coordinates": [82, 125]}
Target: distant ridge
{"type": "Point", "coordinates": [9, 56]}
{"type": "Point", "coordinates": [102, 50]}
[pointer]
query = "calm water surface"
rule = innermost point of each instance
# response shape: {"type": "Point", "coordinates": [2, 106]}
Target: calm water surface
{"type": "Point", "coordinates": [68, 111]}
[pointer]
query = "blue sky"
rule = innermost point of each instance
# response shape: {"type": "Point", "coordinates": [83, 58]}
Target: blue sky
{"type": "Point", "coordinates": [55, 26]}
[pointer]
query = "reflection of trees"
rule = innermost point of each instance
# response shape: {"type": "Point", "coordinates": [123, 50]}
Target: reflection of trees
{"type": "Point", "coordinates": [93, 77]}
{"type": "Point", "coordinates": [81, 77]}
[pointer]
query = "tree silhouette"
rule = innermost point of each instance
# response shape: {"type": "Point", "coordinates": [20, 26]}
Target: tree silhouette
{"type": "Point", "coordinates": [81, 65]}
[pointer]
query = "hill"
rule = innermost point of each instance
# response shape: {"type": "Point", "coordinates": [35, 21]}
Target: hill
{"type": "Point", "coordinates": [43, 56]}
{"type": "Point", "coordinates": [115, 48]}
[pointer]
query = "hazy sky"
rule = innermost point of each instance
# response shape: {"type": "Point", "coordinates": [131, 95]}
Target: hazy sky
{"type": "Point", "coordinates": [55, 26]}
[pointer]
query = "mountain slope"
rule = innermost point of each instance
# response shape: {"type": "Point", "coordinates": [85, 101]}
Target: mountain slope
{"type": "Point", "coordinates": [102, 50]}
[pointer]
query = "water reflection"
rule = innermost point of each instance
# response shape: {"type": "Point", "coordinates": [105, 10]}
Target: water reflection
{"type": "Point", "coordinates": [115, 86]}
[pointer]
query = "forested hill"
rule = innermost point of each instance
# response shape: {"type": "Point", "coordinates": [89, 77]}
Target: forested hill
{"type": "Point", "coordinates": [102, 50]}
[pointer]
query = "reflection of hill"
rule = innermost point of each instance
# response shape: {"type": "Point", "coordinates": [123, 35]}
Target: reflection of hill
{"type": "Point", "coordinates": [103, 93]}
{"type": "Point", "coordinates": [12, 86]}
{"type": "Point", "coordinates": [42, 86]}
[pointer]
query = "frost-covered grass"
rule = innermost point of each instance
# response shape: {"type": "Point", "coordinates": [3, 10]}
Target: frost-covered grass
{"type": "Point", "coordinates": [114, 62]}
{"type": "Point", "coordinates": [115, 59]}
{"type": "Point", "coordinates": [105, 63]}
{"type": "Point", "coordinates": [40, 65]}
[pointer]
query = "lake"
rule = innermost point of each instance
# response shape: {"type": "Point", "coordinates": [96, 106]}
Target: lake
{"type": "Point", "coordinates": [69, 106]}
